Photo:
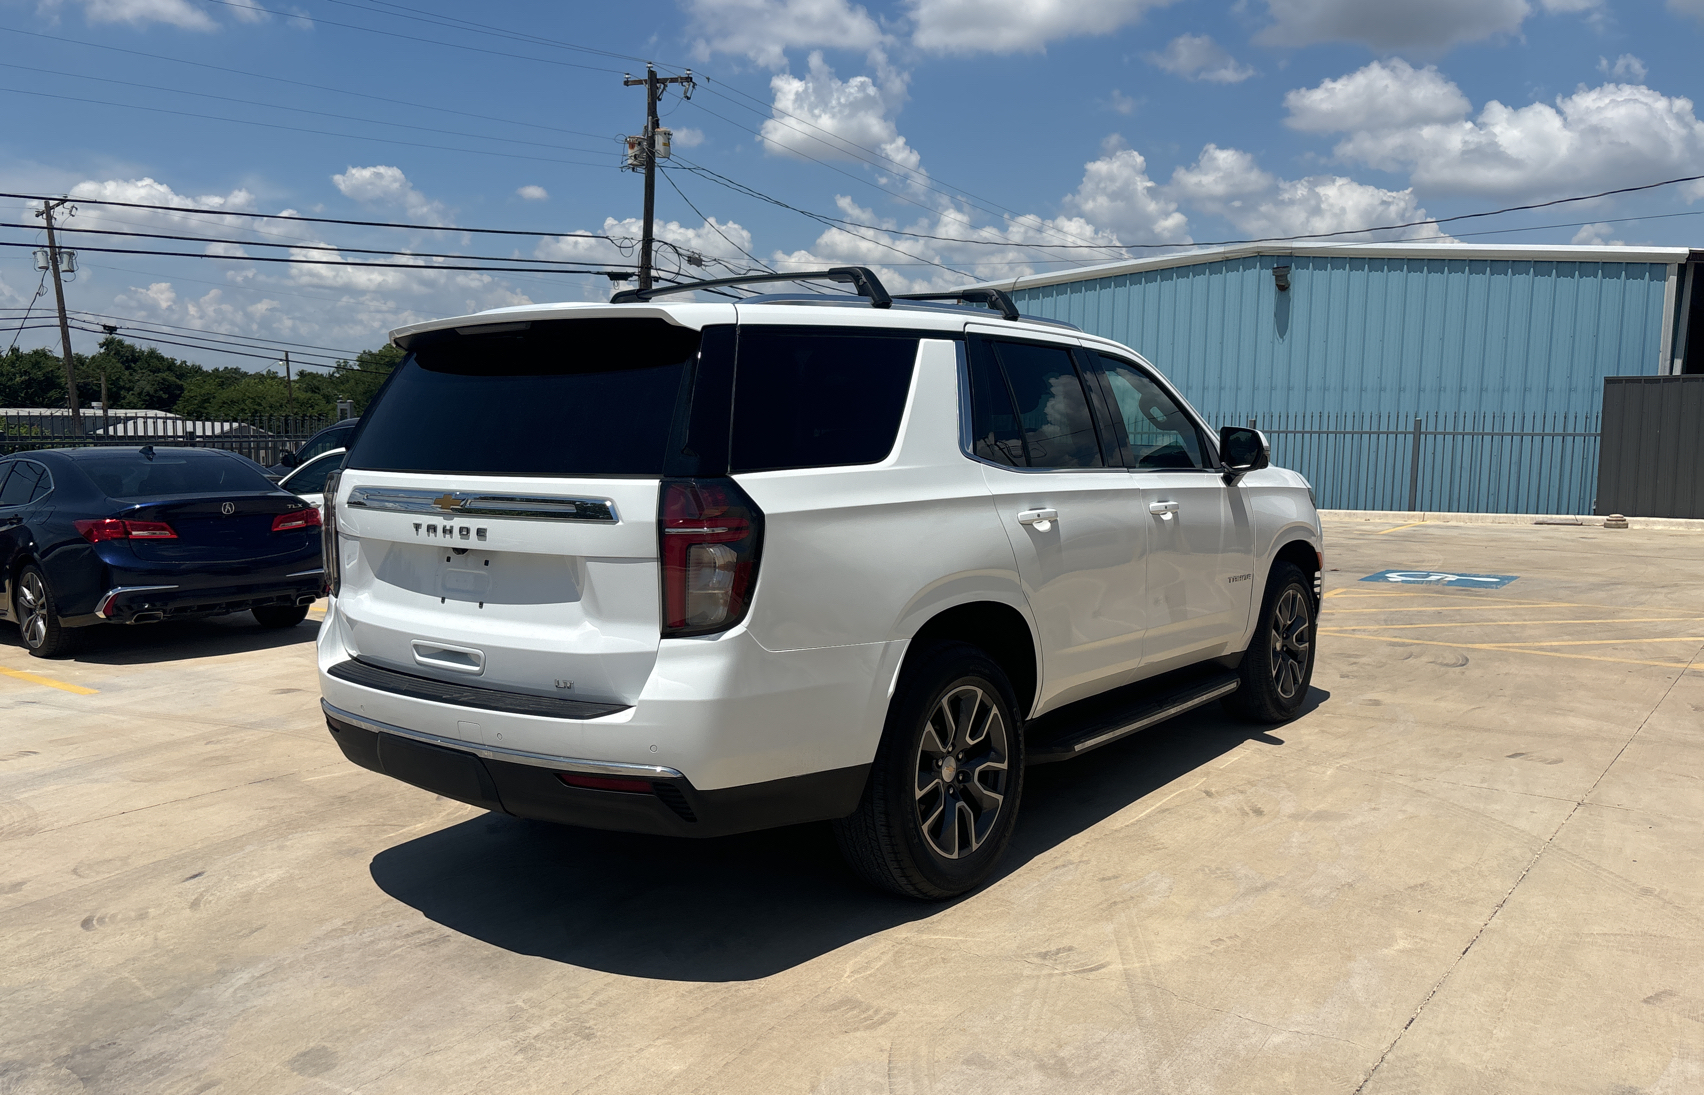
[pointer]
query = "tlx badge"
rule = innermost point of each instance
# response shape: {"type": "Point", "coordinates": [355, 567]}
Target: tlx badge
{"type": "Point", "coordinates": [447, 531]}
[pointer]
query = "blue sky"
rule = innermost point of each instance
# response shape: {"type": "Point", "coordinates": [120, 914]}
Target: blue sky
{"type": "Point", "coordinates": [1090, 125]}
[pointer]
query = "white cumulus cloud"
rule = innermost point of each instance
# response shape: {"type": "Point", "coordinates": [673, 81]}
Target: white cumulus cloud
{"type": "Point", "coordinates": [1423, 25]}
{"type": "Point", "coordinates": [533, 193]}
{"type": "Point", "coordinates": [1597, 138]}
{"type": "Point", "coordinates": [1624, 67]}
{"type": "Point", "coordinates": [177, 13]}
{"type": "Point", "coordinates": [1117, 195]}
{"type": "Point", "coordinates": [1017, 26]}
{"type": "Point", "coordinates": [385, 185]}
{"type": "Point", "coordinates": [1198, 57]}
{"type": "Point", "coordinates": [1694, 8]}
{"type": "Point", "coordinates": [819, 115]}
{"type": "Point", "coordinates": [764, 30]}
{"type": "Point", "coordinates": [1229, 183]}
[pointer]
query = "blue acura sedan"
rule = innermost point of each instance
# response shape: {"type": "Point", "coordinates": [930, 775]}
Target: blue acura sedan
{"type": "Point", "coordinates": [135, 536]}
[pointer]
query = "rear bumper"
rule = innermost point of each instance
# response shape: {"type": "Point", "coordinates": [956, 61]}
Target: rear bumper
{"type": "Point", "coordinates": [152, 603]}
{"type": "Point", "coordinates": [528, 785]}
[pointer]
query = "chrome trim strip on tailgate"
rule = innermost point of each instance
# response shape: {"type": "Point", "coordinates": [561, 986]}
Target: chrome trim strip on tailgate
{"type": "Point", "coordinates": [517, 756]}
{"type": "Point", "coordinates": [460, 503]}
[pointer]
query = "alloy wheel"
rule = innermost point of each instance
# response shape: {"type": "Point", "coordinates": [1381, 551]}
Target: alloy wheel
{"type": "Point", "coordinates": [962, 769]}
{"type": "Point", "coordinates": [1290, 621]}
{"type": "Point", "coordinates": [32, 610]}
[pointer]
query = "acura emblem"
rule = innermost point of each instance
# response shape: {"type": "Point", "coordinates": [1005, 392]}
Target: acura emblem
{"type": "Point", "coordinates": [227, 508]}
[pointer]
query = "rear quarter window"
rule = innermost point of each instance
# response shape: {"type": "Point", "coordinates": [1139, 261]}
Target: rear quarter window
{"type": "Point", "coordinates": [814, 398]}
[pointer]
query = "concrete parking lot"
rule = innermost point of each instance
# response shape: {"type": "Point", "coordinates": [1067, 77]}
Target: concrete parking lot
{"type": "Point", "coordinates": [1472, 866]}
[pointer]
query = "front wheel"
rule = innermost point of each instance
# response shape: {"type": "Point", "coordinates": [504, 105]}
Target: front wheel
{"type": "Point", "coordinates": [37, 613]}
{"type": "Point", "coordinates": [943, 793]}
{"type": "Point", "coordinates": [1278, 666]}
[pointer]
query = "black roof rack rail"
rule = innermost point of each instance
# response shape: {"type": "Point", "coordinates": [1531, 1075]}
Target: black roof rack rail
{"type": "Point", "coordinates": [994, 298]}
{"type": "Point", "coordinates": [861, 278]}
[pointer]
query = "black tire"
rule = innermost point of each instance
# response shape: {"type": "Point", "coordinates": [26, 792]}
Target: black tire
{"type": "Point", "coordinates": [37, 612]}
{"type": "Point", "coordinates": [914, 843]}
{"type": "Point", "coordinates": [1278, 666]}
{"type": "Point", "coordinates": [280, 615]}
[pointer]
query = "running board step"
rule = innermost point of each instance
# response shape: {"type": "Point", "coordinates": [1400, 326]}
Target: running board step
{"type": "Point", "coordinates": [1089, 724]}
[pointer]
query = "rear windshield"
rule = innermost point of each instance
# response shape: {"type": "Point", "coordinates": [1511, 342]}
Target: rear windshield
{"type": "Point", "coordinates": [816, 398]}
{"type": "Point", "coordinates": [137, 476]}
{"type": "Point", "coordinates": [565, 398]}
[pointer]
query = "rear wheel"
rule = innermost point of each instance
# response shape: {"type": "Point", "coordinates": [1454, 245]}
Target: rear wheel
{"type": "Point", "coordinates": [37, 613]}
{"type": "Point", "coordinates": [281, 615]}
{"type": "Point", "coordinates": [1278, 666]}
{"type": "Point", "coordinates": [943, 794]}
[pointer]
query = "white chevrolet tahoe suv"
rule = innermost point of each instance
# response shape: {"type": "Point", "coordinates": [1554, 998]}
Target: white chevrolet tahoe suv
{"type": "Point", "coordinates": [703, 568]}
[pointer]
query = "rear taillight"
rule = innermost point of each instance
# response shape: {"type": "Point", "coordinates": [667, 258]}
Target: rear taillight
{"type": "Point", "coordinates": [711, 535]}
{"type": "Point", "coordinates": [114, 528]}
{"type": "Point", "coordinates": [328, 535]}
{"type": "Point", "coordinates": [296, 520]}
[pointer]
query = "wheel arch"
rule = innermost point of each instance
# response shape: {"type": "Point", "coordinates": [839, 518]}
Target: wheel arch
{"type": "Point", "coordinates": [992, 626]}
{"type": "Point", "coordinates": [1306, 557]}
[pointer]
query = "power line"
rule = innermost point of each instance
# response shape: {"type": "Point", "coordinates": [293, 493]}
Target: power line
{"type": "Point", "coordinates": [712, 224]}
{"type": "Point", "coordinates": [545, 265]}
{"type": "Point", "coordinates": [300, 109]}
{"type": "Point", "coordinates": [303, 129]}
{"type": "Point", "coordinates": [323, 220]}
{"type": "Point", "coordinates": [418, 268]}
{"type": "Point", "coordinates": [253, 7]}
{"type": "Point", "coordinates": [303, 83]}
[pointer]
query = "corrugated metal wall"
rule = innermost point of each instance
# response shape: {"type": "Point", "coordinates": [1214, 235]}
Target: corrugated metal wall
{"type": "Point", "coordinates": [1410, 336]}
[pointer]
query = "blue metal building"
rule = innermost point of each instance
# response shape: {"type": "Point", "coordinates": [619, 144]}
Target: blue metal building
{"type": "Point", "coordinates": [1400, 375]}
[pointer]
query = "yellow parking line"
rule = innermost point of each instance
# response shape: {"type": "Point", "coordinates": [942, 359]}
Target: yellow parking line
{"type": "Point", "coordinates": [1600, 642]}
{"type": "Point", "coordinates": [1399, 528]}
{"type": "Point", "coordinates": [1499, 606]}
{"type": "Point", "coordinates": [1519, 623]}
{"type": "Point", "coordinates": [1516, 650]}
{"type": "Point", "coordinates": [37, 678]}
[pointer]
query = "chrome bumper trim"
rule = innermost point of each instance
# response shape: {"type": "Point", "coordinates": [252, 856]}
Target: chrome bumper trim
{"type": "Point", "coordinates": [306, 573]}
{"type": "Point", "coordinates": [113, 594]}
{"type": "Point", "coordinates": [515, 756]}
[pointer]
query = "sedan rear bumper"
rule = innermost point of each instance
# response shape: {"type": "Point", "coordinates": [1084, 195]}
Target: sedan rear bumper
{"type": "Point", "coordinates": [154, 603]}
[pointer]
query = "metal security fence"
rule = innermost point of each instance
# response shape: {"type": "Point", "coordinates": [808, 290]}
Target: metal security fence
{"type": "Point", "coordinates": [263, 439]}
{"type": "Point", "coordinates": [1464, 462]}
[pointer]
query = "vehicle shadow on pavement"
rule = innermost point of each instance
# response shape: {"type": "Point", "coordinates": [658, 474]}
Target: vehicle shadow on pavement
{"type": "Point", "coordinates": [743, 907]}
{"type": "Point", "coordinates": [145, 644]}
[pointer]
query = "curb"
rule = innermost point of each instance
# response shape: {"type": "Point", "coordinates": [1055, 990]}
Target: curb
{"type": "Point", "coordinates": [1399, 517]}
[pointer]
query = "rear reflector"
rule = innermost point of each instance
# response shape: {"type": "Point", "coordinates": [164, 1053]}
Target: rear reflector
{"type": "Point", "coordinates": [296, 519]}
{"type": "Point", "coordinates": [606, 783]}
{"type": "Point", "coordinates": [112, 528]}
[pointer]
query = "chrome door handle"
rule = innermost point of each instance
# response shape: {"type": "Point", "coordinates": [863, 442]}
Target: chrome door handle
{"type": "Point", "coordinates": [1042, 519]}
{"type": "Point", "coordinates": [1163, 509]}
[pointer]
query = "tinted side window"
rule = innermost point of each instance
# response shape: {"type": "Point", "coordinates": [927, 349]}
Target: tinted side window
{"type": "Point", "coordinates": [997, 436]}
{"type": "Point", "coordinates": [311, 477]}
{"type": "Point", "coordinates": [818, 399]}
{"type": "Point", "coordinates": [5, 495]}
{"type": "Point", "coordinates": [1053, 410]}
{"type": "Point", "coordinates": [330, 439]}
{"type": "Point", "coordinates": [559, 397]}
{"type": "Point", "coordinates": [1159, 433]}
{"type": "Point", "coordinates": [44, 482]}
{"type": "Point", "coordinates": [20, 486]}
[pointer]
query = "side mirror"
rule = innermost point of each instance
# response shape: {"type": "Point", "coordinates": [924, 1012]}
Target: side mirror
{"type": "Point", "coordinates": [1242, 450]}
{"type": "Point", "coordinates": [289, 460]}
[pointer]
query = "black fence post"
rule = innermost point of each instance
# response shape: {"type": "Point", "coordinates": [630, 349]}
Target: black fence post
{"type": "Point", "coordinates": [1414, 471]}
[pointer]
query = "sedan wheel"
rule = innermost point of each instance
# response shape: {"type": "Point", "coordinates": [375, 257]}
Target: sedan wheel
{"type": "Point", "coordinates": [37, 614]}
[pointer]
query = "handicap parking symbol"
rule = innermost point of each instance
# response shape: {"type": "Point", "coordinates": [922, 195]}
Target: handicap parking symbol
{"type": "Point", "coordinates": [1438, 578]}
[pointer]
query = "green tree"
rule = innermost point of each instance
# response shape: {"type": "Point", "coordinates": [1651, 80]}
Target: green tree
{"type": "Point", "coordinates": [32, 378]}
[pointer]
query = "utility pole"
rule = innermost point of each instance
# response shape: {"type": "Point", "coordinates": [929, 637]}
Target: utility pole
{"type": "Point", "coordinates": [643, 154]}
{"type": "Point", "coordinates": [289, 389]}
{"type": "Point", "coordinates": [46, 213]}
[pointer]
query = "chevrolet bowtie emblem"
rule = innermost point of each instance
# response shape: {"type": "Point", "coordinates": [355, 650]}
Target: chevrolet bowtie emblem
{"type": "Point", "coordinates": [447, 501]}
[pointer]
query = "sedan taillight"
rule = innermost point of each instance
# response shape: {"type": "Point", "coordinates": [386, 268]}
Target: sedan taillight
{"type": "Point", "coordinates": [711, 535]}
{"type": "Point", "coordinates": [114, 528]}
{"type": "Point", "coordinates": [296, 520]}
